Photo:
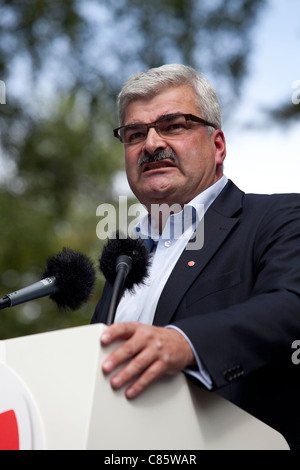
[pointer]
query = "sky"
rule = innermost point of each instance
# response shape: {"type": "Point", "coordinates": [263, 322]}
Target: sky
{"type": "Point", "coordinates": [265, 157]}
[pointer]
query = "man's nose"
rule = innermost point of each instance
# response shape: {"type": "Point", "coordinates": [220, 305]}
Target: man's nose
{"type": "Point", "coordinates": [154, 141]}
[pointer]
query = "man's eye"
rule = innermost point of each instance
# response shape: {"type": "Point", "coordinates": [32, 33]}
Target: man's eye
{"type": "Point", "coordinates": [133, 135]}
{"type": "Point", "coordinates": [136, 136]}
{"type": "Point", "coordinates": [174, 126]}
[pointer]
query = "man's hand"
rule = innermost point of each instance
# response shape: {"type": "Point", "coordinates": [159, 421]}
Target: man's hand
{"type": "Point", "coordinates": [151, 351]}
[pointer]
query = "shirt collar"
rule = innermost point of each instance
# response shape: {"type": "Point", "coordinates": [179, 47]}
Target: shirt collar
{"type": "Point", "coordinates": [179, 222]}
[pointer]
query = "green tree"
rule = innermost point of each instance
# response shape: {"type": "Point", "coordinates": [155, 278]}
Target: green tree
{"type": "Point", "coordinates": [63, 64]}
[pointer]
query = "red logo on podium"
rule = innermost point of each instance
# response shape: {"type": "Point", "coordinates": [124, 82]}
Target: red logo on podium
{"type": "Point", "coordinates": [20, 427]}
{"type": "Point", "coordinates": [9, 433]}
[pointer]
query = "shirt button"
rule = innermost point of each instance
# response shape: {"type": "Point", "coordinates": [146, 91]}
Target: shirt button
{"type": "Point", "coordinates": [168, 243]}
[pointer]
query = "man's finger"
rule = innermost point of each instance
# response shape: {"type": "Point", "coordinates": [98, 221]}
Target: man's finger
{"type": "Point", "coordinates": [153, 372]}
{"type": "Point", "coordinates": [141, 363]}
{"type": "Point", "coordinates": [118, 331]}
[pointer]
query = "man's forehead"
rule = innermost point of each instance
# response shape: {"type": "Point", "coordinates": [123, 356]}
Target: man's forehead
{"type": "Point", "coordinates": [181, 99]}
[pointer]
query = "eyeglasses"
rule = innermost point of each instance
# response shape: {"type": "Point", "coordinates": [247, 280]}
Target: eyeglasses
{"type": "Point", "coordinates": [168, 126]}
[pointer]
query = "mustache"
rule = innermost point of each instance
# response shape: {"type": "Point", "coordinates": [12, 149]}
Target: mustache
{"type": "Point", "coordinates": [147, 157]}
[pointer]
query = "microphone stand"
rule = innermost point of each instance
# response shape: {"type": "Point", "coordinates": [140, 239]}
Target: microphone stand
{"type": "Point", "coordinates": [123, 267]}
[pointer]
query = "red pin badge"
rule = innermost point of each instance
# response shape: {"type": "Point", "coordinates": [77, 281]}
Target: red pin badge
{"type": "Point", "coordinates": [191, 264]}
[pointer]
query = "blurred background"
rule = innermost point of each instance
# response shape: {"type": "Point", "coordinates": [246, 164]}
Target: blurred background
{"type": "Point", "coordinates": [61, 67]}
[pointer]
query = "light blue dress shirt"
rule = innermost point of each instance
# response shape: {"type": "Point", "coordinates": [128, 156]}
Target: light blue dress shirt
{"type": "Point", "coordinates": [141, 305]}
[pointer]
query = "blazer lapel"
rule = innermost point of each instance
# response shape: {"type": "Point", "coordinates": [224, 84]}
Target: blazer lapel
{"type": "Point", "coordinates": [217, 227]}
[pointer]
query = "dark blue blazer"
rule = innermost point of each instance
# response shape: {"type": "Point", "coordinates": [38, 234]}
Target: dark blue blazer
{"type": "Point", "coordinates": [240, 303]}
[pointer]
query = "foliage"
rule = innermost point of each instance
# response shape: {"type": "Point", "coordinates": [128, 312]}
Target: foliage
{"type": "Point", "coordinates": [63, 64]}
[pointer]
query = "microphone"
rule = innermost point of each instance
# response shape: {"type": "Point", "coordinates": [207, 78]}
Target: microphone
{"type": "Point", "coordinates": [124, 263]}
{"type": "Point", "coordinates": [68, 279]}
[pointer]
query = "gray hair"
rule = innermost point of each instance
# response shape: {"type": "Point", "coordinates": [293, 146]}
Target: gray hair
{"type": "Point", "coordinates": [146, 85]}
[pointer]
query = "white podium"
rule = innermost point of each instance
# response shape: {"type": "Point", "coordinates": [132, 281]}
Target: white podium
{"type": "Point", "coordinates": [54, 396]}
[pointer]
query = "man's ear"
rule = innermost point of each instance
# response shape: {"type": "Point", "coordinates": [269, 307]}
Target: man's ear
{"type": "Point", "coordinates": [220, 146]}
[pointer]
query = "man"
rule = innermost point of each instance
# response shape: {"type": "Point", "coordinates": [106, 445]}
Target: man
{"type": "Point", "coordinates": [226, 312]}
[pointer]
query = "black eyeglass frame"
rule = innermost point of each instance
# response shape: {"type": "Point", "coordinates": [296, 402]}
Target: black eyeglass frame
{"type": "Point", "coordinates": [188, 117]}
